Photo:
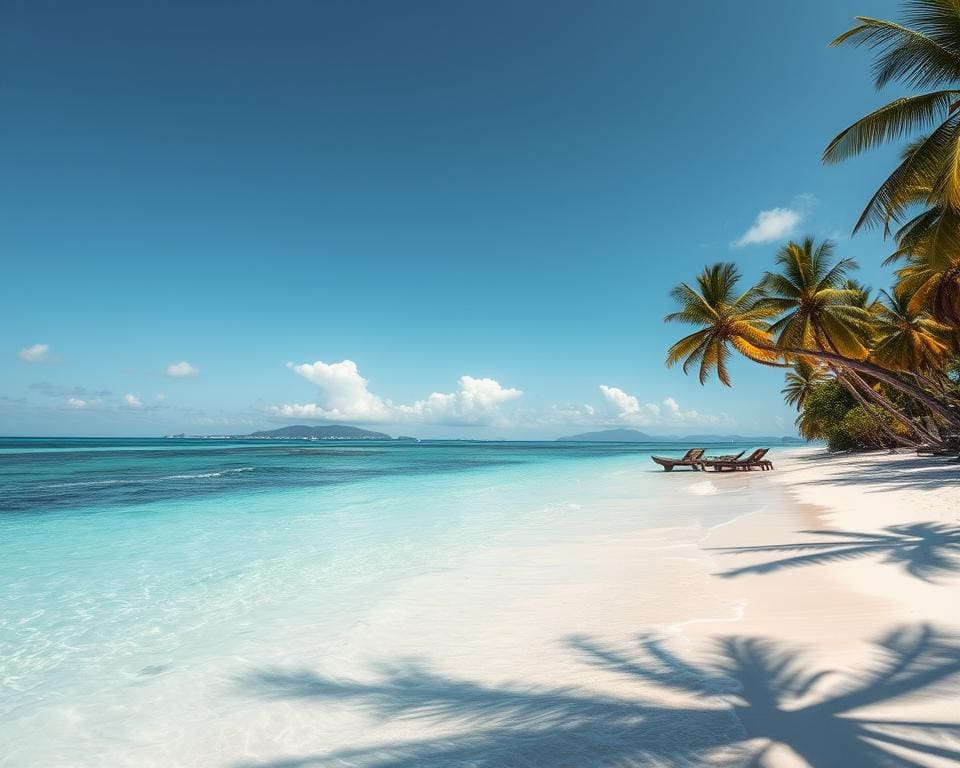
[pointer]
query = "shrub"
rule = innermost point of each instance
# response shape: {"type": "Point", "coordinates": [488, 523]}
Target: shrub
{"type": "Point", "coordinates": [830, 413]}
{"type": "Point", "coordinates": [824, 409]}
{"type": "Point", "coordinates": [859, 429]}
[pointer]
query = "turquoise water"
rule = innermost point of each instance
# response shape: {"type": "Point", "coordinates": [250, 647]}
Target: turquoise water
{"type": "Point", "coordinates": [139, 576]}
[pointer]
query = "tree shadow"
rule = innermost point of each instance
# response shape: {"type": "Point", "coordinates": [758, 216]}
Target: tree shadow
{"type": "Point", "coordinates": [927, 551]}
{"type": "Point", "coordinates": [925, 473]}
{"type": "Point", "coordinates": [752, 694]}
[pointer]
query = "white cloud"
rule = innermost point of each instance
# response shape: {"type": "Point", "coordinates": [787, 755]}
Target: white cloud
{"type": "Point", "coordinates": [345, 396]}
{"type": "Point", "coordinates": [36, 353]}
{"type": "Point", "coordinates": [76, 402]}
{"type": "Point", "coordinates": [133, 401]}
{"type": "Point", "coordinates": [627, 409]}
{"type": "Point", "coordinates": [477, 402]}
{"type": "Point", "coordinates": [776, 223]}
{"type": "Point", "coordinates": [770, 226]}
{"type": "Point", "coordinates": [181, 370]}
{"type": "Point", "coordinates": [343, 391]}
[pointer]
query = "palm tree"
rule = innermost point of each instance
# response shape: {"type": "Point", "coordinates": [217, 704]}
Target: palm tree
{"type": "Point", "coordinates": [799, 384]}
{"type": "Point", "coordinates": [922, 53]}
{"type": "Point", "coordinates": [931, 279]}
{"type": "Point", "coordinates": [908, 340]}
{"type": "Point", "coordinates": [726, 319]}
{"type": "Point", "coordinates": [801, 381]}
{"type": "Point", "coordinates": [818, 311]}
{"type": "Point", "coordinates": [860, 295]}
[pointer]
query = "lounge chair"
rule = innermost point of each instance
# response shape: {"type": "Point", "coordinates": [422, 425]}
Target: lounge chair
{"type": "Point", "coordinates": [729, 457]}
{"type": "Point", "coordinates": [692, 458]}
{"type": "Point", "coordinates": [755, 459]}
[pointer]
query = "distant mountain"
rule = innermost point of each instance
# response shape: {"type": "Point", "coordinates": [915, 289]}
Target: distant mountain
{"type": "Point", "coordinates": [738, 439]}
{"type": "Point", "coordinates": [636, 436]}
{"type": "Point", "coordinates": [303, 432]}
{"type": "Point", "coordinates": [610, 436]}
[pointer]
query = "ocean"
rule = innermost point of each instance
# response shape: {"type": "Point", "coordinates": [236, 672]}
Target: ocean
{"type": "Point", "coordinates": [145, 583]}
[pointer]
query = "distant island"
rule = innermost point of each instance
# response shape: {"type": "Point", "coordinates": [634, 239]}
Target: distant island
{"type": "Point", "coordinates": [636, 436]}
{"type": "Point", "coordinates": [304, 432]}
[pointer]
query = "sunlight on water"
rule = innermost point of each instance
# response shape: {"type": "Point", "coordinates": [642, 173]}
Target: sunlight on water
{"type": "Point", "coordinates": [140, 579]}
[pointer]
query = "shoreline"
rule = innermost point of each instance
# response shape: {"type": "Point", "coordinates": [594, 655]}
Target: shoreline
{"type": "Point", "coordinates": [858, 569]}
{"type": "Point", "coordinates": [595, 614]}
{"type": "Point", "coordinates": [649, 618]}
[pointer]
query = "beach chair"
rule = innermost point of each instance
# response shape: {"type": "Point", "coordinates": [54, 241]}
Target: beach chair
{"type": "Point", "coordinates": [692, 458]}
{"type": "Point", "coordinates": [729, 457]}
{"type": "Point", "coordinates": [755, 459]}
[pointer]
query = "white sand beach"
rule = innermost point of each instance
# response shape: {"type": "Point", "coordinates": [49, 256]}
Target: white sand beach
{"type": "Point", "coordinates": [861, 575]}
{"type": "Point", "coordinates": [819, 630]}
{"type": "Point", "coordinates": [591, 615]}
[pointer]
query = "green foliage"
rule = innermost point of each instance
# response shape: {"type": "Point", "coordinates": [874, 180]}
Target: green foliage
{"type": "Point", "coordinates": [920, 53]}
{"type": "Point", "coordinates": [859, 429]}
{"type": "Point", "coordinates": [817, 309]}
{"type": "Point", "coordinates": [824, 408]}
{"type": "Point", "coordinates": [907, 340]}
{"type": "Point", "coordinates": [831, 414]}
{"type": "Point", "coordinates": [799, 382]}
{"type": "Point", "coordinates": [724, 318]}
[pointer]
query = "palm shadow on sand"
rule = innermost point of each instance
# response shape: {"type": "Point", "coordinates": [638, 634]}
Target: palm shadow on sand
{"type": "Point", "coordinates": [752, 695]}
{"type": "Point", "coordinates": [927, 551]}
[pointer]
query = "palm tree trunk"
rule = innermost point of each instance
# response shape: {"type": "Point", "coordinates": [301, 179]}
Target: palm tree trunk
{"type": "Point", "coordinates": [879, 399]}
{"type": "Point", "coordinates": [895, 412]}
{"type": "Point", "coordinates": [841, 375]}
{"type": "Point", "coordinates": [949, 415]}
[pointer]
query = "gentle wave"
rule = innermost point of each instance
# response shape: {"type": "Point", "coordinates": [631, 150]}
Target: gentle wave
{"type": "Point", "coordinates": [133, 481]}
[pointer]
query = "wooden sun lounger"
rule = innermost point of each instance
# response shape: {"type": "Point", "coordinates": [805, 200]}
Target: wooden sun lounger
{"type": "Point", "coordinates": [729, 457]}
{"type": "Point", "coordinates": [692, 458]}
{"type": "Point", "coordinates": [755, 459]}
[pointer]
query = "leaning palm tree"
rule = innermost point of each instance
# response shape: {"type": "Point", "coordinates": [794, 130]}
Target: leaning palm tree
{"type": "Point", "coordinates": [725, 318]}
{"type": "Point", "coordinates": [923, 52]}
{"type": "Point", "coordinates": [817, 311]}
{"type": "Point", "coordinates": [931, 276]}
{"type": "Point", "coordinates": [932, 281]}
{"type": "Point", "coordinates": [908, 340]}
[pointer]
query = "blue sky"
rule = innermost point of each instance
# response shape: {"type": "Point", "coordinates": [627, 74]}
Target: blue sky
{"type": "Point", "coordinates": [481, 207]}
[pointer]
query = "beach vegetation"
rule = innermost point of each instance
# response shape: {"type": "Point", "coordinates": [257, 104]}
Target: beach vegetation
{"type": "Point", "coordinates": [800, 382]}
{"type": "Point", "coordinates": [864, 368]}
{"type": "Point", "coordinates": [918, 205]}
{"type": "Point", "coordinates": [889, 361]}
{"type": "Point", "coordinates": [823, 409]}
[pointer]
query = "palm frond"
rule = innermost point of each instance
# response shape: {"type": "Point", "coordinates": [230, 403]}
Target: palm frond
{"type": "Point", "coordinates": [899, 119]}
{"type": "Point", "coordinates": [905, 54]}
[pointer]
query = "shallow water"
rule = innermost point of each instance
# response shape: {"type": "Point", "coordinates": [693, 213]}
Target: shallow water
{"type": "Point", "coordinates": [143, 581]}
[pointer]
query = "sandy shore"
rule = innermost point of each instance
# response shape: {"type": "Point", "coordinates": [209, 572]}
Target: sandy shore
{"type": "Point", "coordinates": [819, 628]}
{"type": "Point", "coordinates": [852, 593]}
{"type": "Point", "coordinates": [808, 616]}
